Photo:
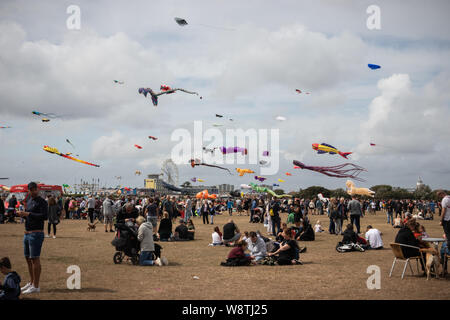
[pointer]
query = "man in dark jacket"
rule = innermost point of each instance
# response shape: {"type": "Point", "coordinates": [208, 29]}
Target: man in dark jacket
{"type": "Point", "coordinates": [35, 215]}
{"type": "Point", "coordinates": [127, 213]}
{"type": "Point", "coordinates": [406, 236]}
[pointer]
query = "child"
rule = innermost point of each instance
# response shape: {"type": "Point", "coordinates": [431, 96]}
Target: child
{"type": "Point", "coordinates": [318, 227]}
{"type": "Point", "coordinates": [10, 290]}
{"type": "Point", "coordinates": [398, 222]}
{"type": "Point", "coordinates": [423, 231]}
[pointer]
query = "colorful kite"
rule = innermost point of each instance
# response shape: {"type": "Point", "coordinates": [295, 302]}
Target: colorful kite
{"type": "Point", "coordinates": [164, 90]}
{"type": "Point", "coordinates": [45, 120]}
{"type": "Point", "coordinates": [152, 137]}
{"type": "Point", "coordinates": [55, 151]}
{"type": "Point", "coordinates": [352, 190]}
{"type": "Point", "coordinates": [259, 178]}
{"type": "Point", "coordinates": [326, 148]}
{"type": "Point", "coordinates": [265, 153]}
{"type": "Point", "coordinates": [233, 150]}
{"type": "Point", "coordinates": [275, 185]}
{"type": "Point", "coordinates": [288, 174]}
{"type": "Point", "coordinates": [346, 170]}
{"type": "Point", "coordinates": [138, 146]}
{"type": "Point", "coordinates": [267, 190]}
{"type": "Point", "coordinates": [281, 180]}
{"type": "Point", "coordinates": [137, 173]}
{"type": "Point", "coordinates": [197, 180]}
{"type": "Point", "coordinates": [244, 171]}
{"type": "Point", "coordinates": [373, 66]}
{"type": "Point", "coordinates": [47, 115]}
{"type": "Point", "coordinates": [7, 127]}
{"type": "Point", "coordinates": [198, 162]}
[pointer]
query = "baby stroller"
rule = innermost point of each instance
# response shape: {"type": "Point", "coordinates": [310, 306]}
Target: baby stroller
{"type": "Point", "coordinates": [127, 245]}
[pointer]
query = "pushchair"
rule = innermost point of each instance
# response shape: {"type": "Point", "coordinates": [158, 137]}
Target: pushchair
{"type": "Point", "coordinates": [127, 245]}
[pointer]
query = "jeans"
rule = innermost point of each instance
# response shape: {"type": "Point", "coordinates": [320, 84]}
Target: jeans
{"type": "Point", "coordinates": [338, 226]}
{"type": "Point", "coordinates": [212, 218]}
{"type": "Point", "coordinates": [331, 227]}
{"type": "Point", "coordinates": [230, 211]}
{"type": "Point", "coordinates": [91, 215]}
{"type": "Point", "coordinates": [390, 218]}
{"type": "Point", "coordinates": [355, 219]}
{"type": "Point", "coordinates": [145, 259]}
{"type": "Point", "coordinates": [205, 217]}
{"type": "Point", "coordinates": [276, 224]}
{"type": "Point", "coordinates": [446, 226]}
{"type": "Point", "coordinates": [187, 214]}
{"type": "Point", "coordinates": [54, 228]}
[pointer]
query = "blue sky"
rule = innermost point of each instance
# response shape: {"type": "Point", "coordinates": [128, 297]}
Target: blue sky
{"type": "Point", "coordinates": [248, 74]}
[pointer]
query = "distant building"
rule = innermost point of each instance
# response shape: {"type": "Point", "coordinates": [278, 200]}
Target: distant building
{"type": "Point", "coordinates": [153, 182]}
{"type": "Point", "coordinates": [225, 188]}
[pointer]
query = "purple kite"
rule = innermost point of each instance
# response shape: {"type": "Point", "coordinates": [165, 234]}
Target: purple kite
{"type": "Point", "coordinates": [233, 150]}
{"type": "Point", "coordinates": [346, 170]}
{"type": "Point", "coordinates": [265, 153]}
{"type": "Point", "coordinates": [259, 178]}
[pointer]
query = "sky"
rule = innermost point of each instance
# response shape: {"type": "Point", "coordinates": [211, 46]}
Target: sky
{"type": "Point", "coordinates": [245, 59]}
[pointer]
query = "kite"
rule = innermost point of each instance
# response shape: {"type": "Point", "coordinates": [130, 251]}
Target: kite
{"type": "Point", "coordinates": [197, 179]}
{"type": "Point", "coordinates": [372, 144]}
{"type": "Point", "coordinates": [300, 91]}
{"type": "Point", "coordinates": [55, 151]}
{"type": "Point", "coordinates": [152, 137]}
{"type": "Point", "coordinates": [322, 198]}
{"type": "Point", "coordinates": [233, 150]}
{"type": "Point", "coordinates": [164, 90]}
{"type": "Point", "coordinates": [48, 115]}
{"type": "Point", "coordinates": [245, 186]}
{"type": "Point", "coordinates": [217, 125]}
{"type": "Point", "coordinates": [280, 118]}
{"type": "Point", "coordinates": [281, 180]}
{"type": "Point", "coordinates": [181, 22]}
{"type": "Point", "coordinates": [138, 146]}
{"type": "Point", "coordinates": [137, 173]}
{"type": "Point", "coordinates": [118, 82]}
{"type": "Point", "coordinates": [288, 174]}
{"type": "Point", "coordinates": [265, 153]}
{"type": "Point", "coordinates": [373, 66]}
{"type": "Point", "coordinates": [209, 150]}
{"type": "Point", "coordinates": [260, 178]}
{"type": "Point", "coordinates": [297, 167]}
{"type": "Point", "coordinates": [45, 120]}
{"type": "Point", "coordinates": [197, 162]}
{"type": "Point", "coordinates": [221, 116]}
{"type": "Point", "coordinates": [267, 190]}
{"type": "Point", "coordinates": [4, 187]}
{"type": "Point", "coordinates": [7, 127]}
{"type": "Point", "coordinates": [346, 170]}
{"type": "Point", "coordinates": [68, 141]}
{"type": "Point", "coordinates": [275, 185]}
{"type": "Point", "coordinates": [205, 195]}
{"type": "Point", "coordinates": [326, 148]}
{"type": "Point", "coordinates": [244, 171]}
{"type": "Point", "coordinates": [263, 162]}
{"type": "Point", "coordinates": [352, 190]}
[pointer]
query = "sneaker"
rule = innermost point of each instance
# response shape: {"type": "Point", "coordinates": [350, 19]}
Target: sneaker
{"type": "Point", "coordinates": [54, 237]}
{"type": "Point", "coordinates": [158, 262]}
{"type": "Point", "coordinates": [164, 261]}
{"type": "Point", "coordinates": [32, 289]}
{"type": "Point", "coordinates": [26, 287]}
{"type": "Point", "coordinates": [47, 236]}
{"type": "Point", "coordinates": [303, 250]}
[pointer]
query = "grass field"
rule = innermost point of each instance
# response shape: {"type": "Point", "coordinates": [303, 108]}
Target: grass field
{"type": "Point", "coordinates": [325, 274]}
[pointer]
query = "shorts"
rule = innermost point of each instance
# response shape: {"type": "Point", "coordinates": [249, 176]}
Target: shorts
{"type": "Point", "coordinates": [153, 221]}
{"type": "Point", "coordinates": [32, 244]}
{"type": "Point", "coordinates": [108, 219]}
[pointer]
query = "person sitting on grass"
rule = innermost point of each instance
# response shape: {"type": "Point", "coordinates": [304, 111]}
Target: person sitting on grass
{"type": "Point", "coordinates": [230, 233]}
{"type": "Point", "coordinates": [318, 227]}
{"type": "Point", "coordinates": [10, 289]}
{"type": "Point", "coordinates": [237, 256]}
{"type": "Point", "coordinates": [257, 247]}
{"type": "Point", "coordinates": [307, 233]}
{"type": "Point", "coordinates": [373, 237]}
{"type": "Point", "coordinates": [182, 233]}
{"type": "Point", "coordinates": [191, 228]}
{"type": "Point", "coordinates": [165, 227]}
{"type": "Point", "coordinates": [216, 237]}
{"type": "Point", "coordinates": [145, 237]}
{"type": "Point", "coordinates": [398, 222]}
{"type": "Point", "coordinates": [279, 237]}
{"type": "Point", "coordinates": [288, 253]}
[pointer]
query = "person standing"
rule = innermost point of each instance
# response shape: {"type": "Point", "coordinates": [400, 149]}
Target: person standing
{"type": "Point", "coordinates": [108, 213]}
{"type": "Point", "coordinates": [204, 212]}
{"type": "Point", "coordinates": [2, 210]}
{"type": "Point", "coordinates": [445, 216]}
{"type": "Point", "coordinates": [354, 207]}
{"type": "Point", "coordinates": [188, 209]}
{"type": "Point", "coordinates": [332, 214]}
{"type": "Point", "coordinates": [54, 212]}
{"type": "Point", "coordinates": [35, 215]}
{"type": "Point", "coordinates": [275, 216]}
{"type": "Point", "coordinates": [151, 211]}
{"type": "Point", "coordinates": [230, 206]}
{"type": "Point", "coordinates": [390, 212]}
{"type": "Point", "coordinates": [212, 210]}
{"type": "Point", "coordinates": [91, 208]}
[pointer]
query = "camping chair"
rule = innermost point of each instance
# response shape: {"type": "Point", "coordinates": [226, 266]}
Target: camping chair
{"type": "Point", "coordinates": [398, 253]}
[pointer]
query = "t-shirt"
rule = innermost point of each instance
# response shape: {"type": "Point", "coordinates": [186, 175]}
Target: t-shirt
{"type": "Point", "coordinates": [374, 238]}
{"type": "Point", "coordinates": [216, 239]}
{"type": "Point", "coordinates": [446, 207]}
{"type": "Point", "coordinates": [152, 210]}
{"type": "Point", "coordinates": [354, 207]}
{"type": "Point", "coordinates": [290, 253]}
{"type": "Point", "coordinates": [228, 230]}
{"type": "Point", "coordinates": [38, 209]}
{"type": "Point", "coordinates": [182, 231]}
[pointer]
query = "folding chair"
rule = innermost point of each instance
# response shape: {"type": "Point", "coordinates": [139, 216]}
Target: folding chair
{"type": "Point", "coordinates": [398, 255]}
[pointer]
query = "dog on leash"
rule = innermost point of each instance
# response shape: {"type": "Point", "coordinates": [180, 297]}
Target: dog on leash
{"type": "Point", "coordinates": [432, 260]}
{"type": "Point", "coordinates": [91, 226]}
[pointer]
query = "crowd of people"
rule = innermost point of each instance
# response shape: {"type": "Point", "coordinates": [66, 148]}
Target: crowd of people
{"type": "Point", "coordinates": [154, 218]}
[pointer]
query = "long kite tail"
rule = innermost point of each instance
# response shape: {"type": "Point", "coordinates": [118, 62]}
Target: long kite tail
{"type": "Point", "coordinates": [214, 166]}
{"type": "Point", "coordinates": [184, 90]}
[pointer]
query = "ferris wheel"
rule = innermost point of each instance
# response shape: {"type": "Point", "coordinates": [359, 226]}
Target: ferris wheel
{"type": "Point", "coordinates": [169, 172]}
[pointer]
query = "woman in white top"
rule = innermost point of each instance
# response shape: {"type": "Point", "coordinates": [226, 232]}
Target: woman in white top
{"type": "Point", "coordinates": [217, 237]}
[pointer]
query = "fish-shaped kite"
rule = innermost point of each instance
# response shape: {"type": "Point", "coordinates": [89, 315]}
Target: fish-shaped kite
{"type": "Point", "coordinates": [346, 170]}
{"type": "Point", "coordinates": [326, 148]}
{"type": "Point", "coordinates": [55, 151]}
{"type": "Point", "coordinates": [47, 115]}
{"type": "Point", "coordinates": [138, 146]}
{"type": "Point", "coordinates": [5, 127]}
{"type": "Point", "coordinates": [281, 180]}
{"type": "Point", "coordinates": [164, 90]}
{"type": "Point", "coordinates": [244, 171]}
{"type": "Point", "coordinates": [259, 178]}
{"type": "Point", "coordinates": [197, 180]}
{"type": "Point", "coordinates": [288, 174]}
{"type": "Point", "coordinates": [198, 162]}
